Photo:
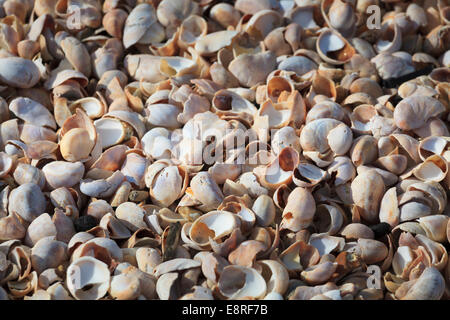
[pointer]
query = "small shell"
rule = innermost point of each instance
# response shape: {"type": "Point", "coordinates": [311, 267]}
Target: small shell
{"type": "Point", "coordinates": [176, 264]}
{"type": "Point", "coordinates": [237, 282]}
{"type": "Point", "coordinates": [333, 48]}
{"type": "Point", "coordinates": [131, 215]}
{"type": "Point", "coordinates": [434, 168]}
{"type": "Point", "coordinates": [276, 276]}
{"type": "Point", "coordinates": [11, 228]}
{"type": "Point", "coordinates": [27, 201]}
{"type": "Point", "coordinates": [299, 210]}
{"type": "Point", "coordinates": [141, 26]}
{"type": "Point", "coordinates": [429, 286]}
{"type": "Point", "coordinates": [214, 225]}
{"type": "Point", "coordinates": [329, 218]}
{"type": "Point", "coordinates": [264, 210]}
{"type": "Point", "coordinates": [308, 175]}
{"type": "Point", "coordinates": [88, 279]}
{"type": "Point", "coordinates": [435, 227]}
{"type": "Point", "coordinates": [206, 190]}
{"type": "Point", "coordinates": [32, 112]}
{"type": "Point", "coordinates": [372, 251]}
{"type": "Point", "coordinates": [367, 190]}
{"type": "Point", "coordinates": [251, 69]}
{"type": "Point", "coordinates": [356, 231]}
{"type": "Point", "coordinates": [39, 228]}
{"type": "Point", "coordinates": [124, 287]}
{"type": "Point", "coordinates": [48, 253]}
{"type": "Point", "coordinates": [320, 273]}
{"type": "Point", "coordinates": [225, 14]}
{"type": "Point", "coordinates": [18, 72]}
{"type": "Point", "coordinates": [102, 188]}
{"type": "Point", "coordinates": [63, 174]}
{"type": "Point", "coordinates": [413, 112]}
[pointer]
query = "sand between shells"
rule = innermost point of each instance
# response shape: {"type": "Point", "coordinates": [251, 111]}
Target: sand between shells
{"type": "Point", "coordinates": [247, 149]}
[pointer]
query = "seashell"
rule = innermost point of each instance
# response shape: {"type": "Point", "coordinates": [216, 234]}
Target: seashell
{"type": "Point", "coordinates": [39, 228]}
{"type": "Point", "coordinates": [372, 251]}
{"type": "Point", "coordinates": [329, 218]}
{"type": "Point", "coordinates": [280, 170]}
{"type": "Point", "coordinates": [333, 48]}
{"type": "Point", "coordinates": [88, 279]}
{"type": "Point", "coordinates": [206, 190]}
{"type": "Point", "coordinates": [285, 137]}
{"type": "Point", "coordinates": [326, 109]}
{"type": "Point", "coordinates": [364, 150]}
{"type": "Point", "coordinates": [23, 287]}
{"type": "Point", "coordinates": [48, 253]}
{"type": "Point", "coordinates": [435, 227]}
{"type": "Point", "coordinates": [177, 264]}
{"type": "Point", "coordinates": [249, 283]}
{"type": "Point", "coordinates": [116, 229]}
{"type": "Point", "coordinates": [324, 134]}
{"type": "Point", "coordinates": [299, 64]}
{"type": "Point", "coordinates": [27, 201]}
{"type": "Point", "coordinates": [11, 228]}
{"type": "Point", "coordinates": [21, 258]}
{"type": "Point", "coordinates": [124, 287]}
{"type": "Point", "coordinates": [390, 40]}
{"type": "Point", "coordinates": [147, 259]}
{"type": "Point", "coordinates": [356, 231]}
{"type": "Point", "coordinates": [65, 228]}
{"type": "Point", "coordinates": [199, 293]}
{"type": "Point", "coordinates": [98, 247]}
{"type": "Point", "coordinates": [389, 211]}
{"type": "Point", "coordinates": [63, 174]}
{"type": "Point", "coordinates": [164, 115]}
{"type": "Point", "coordinates": [429, 286]}
{"type": "Point", "coordinates": [276, 276]}
{"type": "Point", "coordinates": [166, 284]}
{"type": "Point", "coordinates": [245, 254]}
{"type": "Point", "coordinates": [264, 210]}
{"type": "Point", "coordinates": [413, 112]}
{"type": "Point", "coordinates": [436, 251]}
{"type": "Point", "coordinates": [306, 16]}
{"type": "Point", "coordinates": [340, 15]}
{"type": "Point", "coordinates": [157, 143]}
{"type": "Point", "coordinates": [345, 171]}
{"type": "Point", "coordinates": [134, 168]}
{"type": "Point", "coordinates": [102, 188]}
{"type": "Point", "coordinates": [213, 225]}
{"type": "Point", "coordinates": [262, 23]}
{"type": "Point", "coordinates": [191, 30]}
{"type": "Point", "coordinates": [434, 168]}
{"type": "Point", "coordinates": [251, 69]}
{"type": "Point", "coordinates": [225, 14]}
{"type": "Point", "coordinates": [391, 66]}
{"type": "Point", "coordinates": [114, 21]}
{"type": "Point", "coordinates": [299, 210]}
{"type": "Point", "coordinates": [308, 175]}
{"type": "Point", "coordinates": [172, 13]}
{"type": "Point", "coordinates": [18, 72]}
{"type": "Point", "coordinates": [319, 273]}
{"type": "Point", "coordinates": [141, 26]}
{"type": "Point", "coordinates": [32, 112]}
{"type": "Point", "coordinates": [131, 215]}
{"type": "Point", "coordinates": [367, 191]}
{"type": "Point", "coordinates": [326, 244]}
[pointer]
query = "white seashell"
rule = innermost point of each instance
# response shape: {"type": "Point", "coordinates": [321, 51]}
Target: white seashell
{"type": "Point", "coordinates": [32, 112]}
{"type": "Point", "coordinates": [252, 284]}
{"type": "Point", "coordinates": [63, 174]}
{"type": "Point", "coordinates": [88, 279]}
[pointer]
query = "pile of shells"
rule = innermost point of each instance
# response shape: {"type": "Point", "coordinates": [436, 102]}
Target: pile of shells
{"type": "Point", "coordinates": [114, 120]}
